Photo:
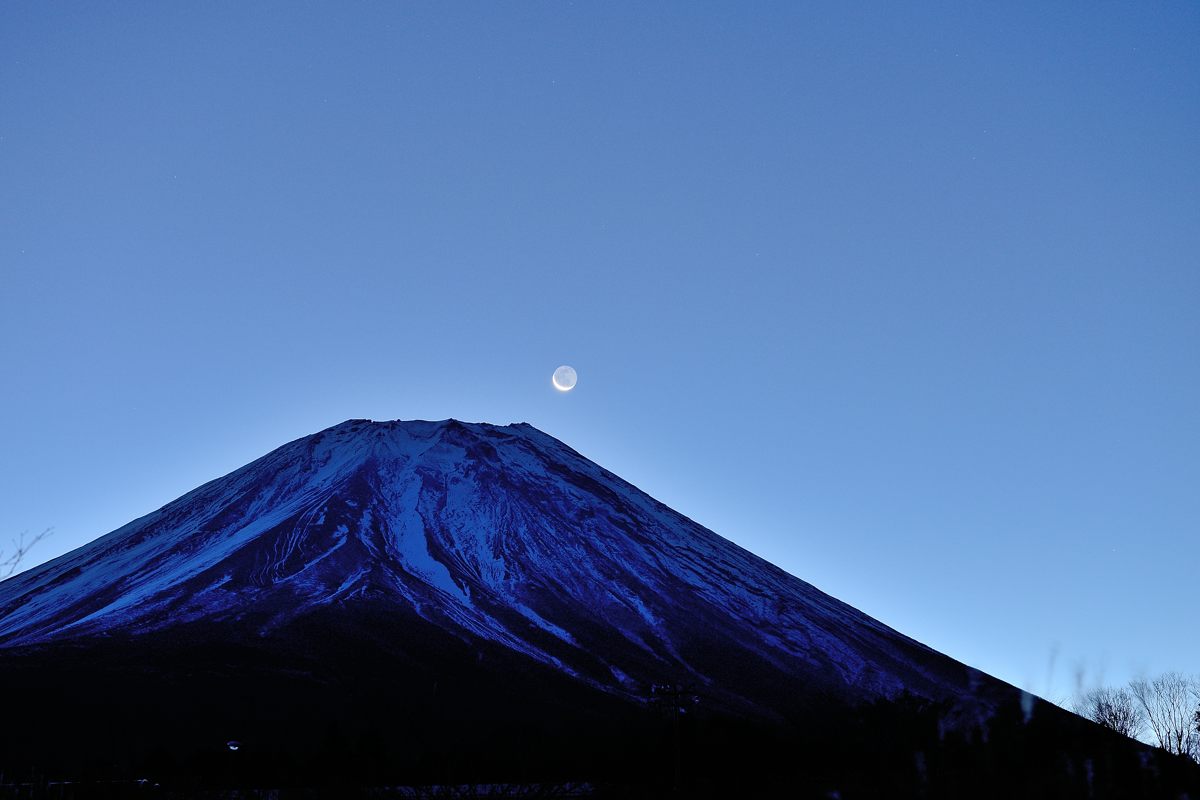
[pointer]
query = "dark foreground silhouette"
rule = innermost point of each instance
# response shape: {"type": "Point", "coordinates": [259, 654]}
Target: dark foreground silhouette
{"type": "Point", "coordinates": [326, 714]}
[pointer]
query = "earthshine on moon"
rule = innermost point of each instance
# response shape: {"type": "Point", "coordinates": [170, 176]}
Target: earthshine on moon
{"type": "Point", "coordinates": [564, 378]}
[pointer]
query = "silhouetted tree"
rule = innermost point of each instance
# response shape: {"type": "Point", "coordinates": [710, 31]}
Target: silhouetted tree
{"type": "Point", "coordinates": [21, 545]}
{"type": "Point", "coordinates": [1196, 716]}
{"type": "Point", "coordinates": [1115, 709]}
{"type": "Point", "coordinates": [1169, 703]}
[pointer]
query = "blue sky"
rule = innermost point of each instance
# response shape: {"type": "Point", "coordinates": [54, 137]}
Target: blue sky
{"type": "Point", "coordinates": [902, 299]}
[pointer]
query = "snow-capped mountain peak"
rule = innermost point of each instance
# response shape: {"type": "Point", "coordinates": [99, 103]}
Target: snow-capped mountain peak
{"type": "Point", "coordinates": [491, 533]}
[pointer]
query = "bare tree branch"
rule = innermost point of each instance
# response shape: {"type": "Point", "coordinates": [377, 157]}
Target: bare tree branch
{"type": "Point", "coordinates": [21, 546]}
{"type": "Point", "coordinates": [1115, 709]}
{"type": "Point", "coordinates": [1169, 703]}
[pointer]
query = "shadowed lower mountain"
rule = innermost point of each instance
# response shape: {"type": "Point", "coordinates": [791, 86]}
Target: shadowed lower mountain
{"type": "Point", "coordinates": [437, 601]}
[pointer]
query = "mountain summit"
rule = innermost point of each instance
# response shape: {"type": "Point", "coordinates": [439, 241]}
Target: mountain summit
{"type": "Point", "coordinates": [489, 533]}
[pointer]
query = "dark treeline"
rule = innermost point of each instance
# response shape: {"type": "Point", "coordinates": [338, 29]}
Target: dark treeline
{"type": "Point", "coordinates": [905, 747]}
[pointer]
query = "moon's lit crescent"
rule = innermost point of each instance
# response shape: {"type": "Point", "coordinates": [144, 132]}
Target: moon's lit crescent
{"type": "Point", "coordinates": [564, 378]}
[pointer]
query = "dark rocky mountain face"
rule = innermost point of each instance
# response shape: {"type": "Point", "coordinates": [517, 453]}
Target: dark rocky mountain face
{"type": "Point", "coordinates": [439, 600]}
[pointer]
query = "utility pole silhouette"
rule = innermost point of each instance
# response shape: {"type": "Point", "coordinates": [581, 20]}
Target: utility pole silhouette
{"type": "Point", "coordinates": [674, 700]}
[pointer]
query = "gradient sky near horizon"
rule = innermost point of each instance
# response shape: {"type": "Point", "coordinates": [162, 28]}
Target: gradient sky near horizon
{"type": "Point", "coordinates": [905, 300]}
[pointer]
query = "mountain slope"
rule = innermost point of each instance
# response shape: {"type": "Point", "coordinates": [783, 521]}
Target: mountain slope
{"type": "Point", "coordinates": [491, 533]}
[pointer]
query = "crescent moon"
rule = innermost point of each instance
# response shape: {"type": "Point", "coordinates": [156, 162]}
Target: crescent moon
{"type": "Point", "coordinates": [564, 378]}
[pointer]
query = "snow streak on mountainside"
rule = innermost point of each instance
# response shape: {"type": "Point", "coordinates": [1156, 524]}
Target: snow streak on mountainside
{"type": "Point", "coordinates": [499, 533]}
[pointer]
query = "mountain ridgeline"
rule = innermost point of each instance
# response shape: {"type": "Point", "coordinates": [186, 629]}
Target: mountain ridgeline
{"type": "Point", "coordinates": [443, 601]}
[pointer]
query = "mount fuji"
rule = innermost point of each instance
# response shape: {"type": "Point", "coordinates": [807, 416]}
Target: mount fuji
{"type": "Point", "coordinates": [497, 534]}
{"type": "Point", "coordinates": [423, 589]}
